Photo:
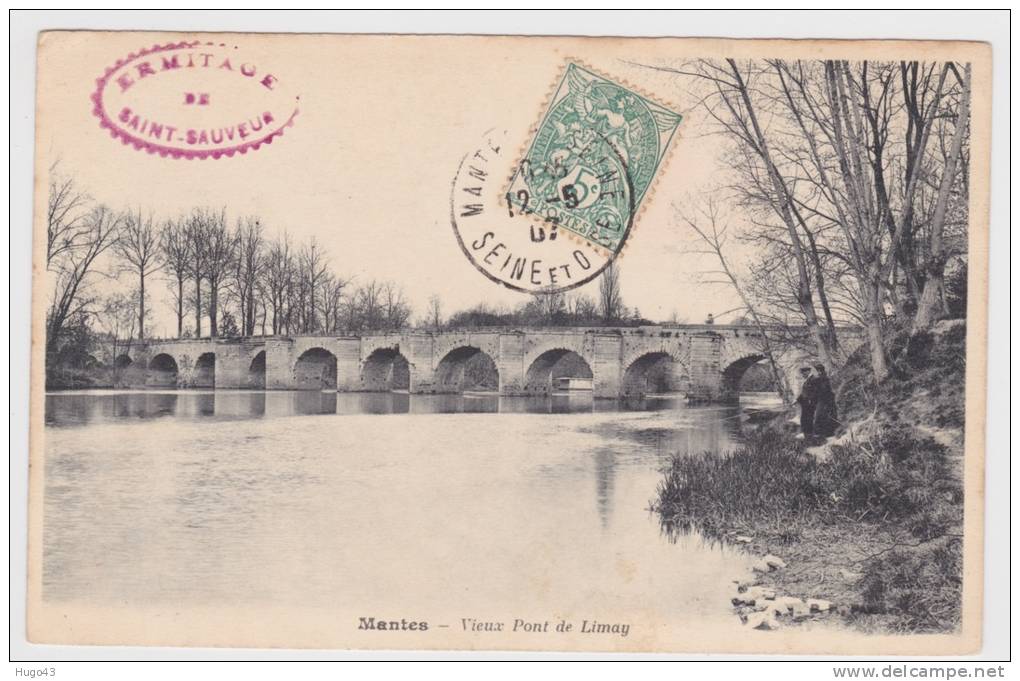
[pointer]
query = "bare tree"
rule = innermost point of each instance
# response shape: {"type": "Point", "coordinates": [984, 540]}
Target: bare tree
{"type": "Point", "coordinates": [221, 251]}
{"type": "Point", "coordinates": [196, 231]}
{"type": "Point", "coordinates": [279, 275]}
{"type": "Point", "coordinates": [249, 265]}
{"type": "Point", "coordinates": [584, 308]}
{"type": "Point", "coordinates": [312, 270]}
{"type": "Point", "coordinates": [932, 298]}
{"type": "Point", "coordinates": [842, 154]}
{"type": "Point", "coordinates": [67, 216]}
{"type": "Point", "coordinates": [434, 314]}
{"type": "Point", "coordinates": [610, 300]}
{"type": "Point", "coordinates": [118, 317]}
{"type": "Point", "coordinates": [138, 246]}
{"type": "Point", "coordinates": [332, 299]}
{"type": "Point", "coordinates": [368, 309]}
{"type": "Point", "coordinates": [396, 311]}
{"type": "Point", "coordinates": [706, 224]}
{"type": "Point", "coordinates": [175, 250]}
{"type": "Point", "coordinates": [550, 303]}
{"type": "Point", "coordinates": [72, 264]}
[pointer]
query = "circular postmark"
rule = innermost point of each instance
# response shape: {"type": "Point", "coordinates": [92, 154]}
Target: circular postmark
{"type": "Point", "coordinates": [517, 233]}
{"type": "Point", "coordinates": [194, 100]}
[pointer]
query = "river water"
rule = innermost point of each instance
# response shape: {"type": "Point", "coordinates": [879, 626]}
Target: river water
{"type": "Point", "coordinates": [474, 504]}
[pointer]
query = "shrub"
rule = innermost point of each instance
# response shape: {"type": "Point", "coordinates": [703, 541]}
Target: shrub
{"type": "Point", "coordinates": [921, 586]}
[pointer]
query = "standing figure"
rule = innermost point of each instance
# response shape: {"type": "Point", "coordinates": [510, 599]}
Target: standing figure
{"type": "Point", "coordinates": [807, 399]}
{"type": "Point", "coordinates": [825, 410]}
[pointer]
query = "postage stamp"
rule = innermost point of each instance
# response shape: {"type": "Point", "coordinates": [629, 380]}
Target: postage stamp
{"type": "Point", "coordinates": [193, 100]}
{"type": "Point", "coordinates": [593, 157]}
{"type": "Point", "coordinates": [573, 195]}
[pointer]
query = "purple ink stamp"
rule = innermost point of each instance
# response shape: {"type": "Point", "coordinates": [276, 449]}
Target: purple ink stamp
{"type": "Point", "coordinates": [193, 99]}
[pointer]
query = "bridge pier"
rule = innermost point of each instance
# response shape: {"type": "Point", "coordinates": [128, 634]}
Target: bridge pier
{"type": "Point", "coordinates": [233, 359]}
{"type": "Point", "coordinates": [421, 375]}
{"type": "Point", "coordinates": [348, 364]}
{"type": "Point", "coordinates": [706, 374]}
{"type": "Point", "coordinates": [510, 364]}
{"type": "Point", "coordinates": [279, 363]}
{"type": "Point", "coordinates": [607, 365]}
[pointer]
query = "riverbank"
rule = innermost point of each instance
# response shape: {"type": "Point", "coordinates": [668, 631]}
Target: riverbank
{"type": "Point", "coordinates": [868, 527]}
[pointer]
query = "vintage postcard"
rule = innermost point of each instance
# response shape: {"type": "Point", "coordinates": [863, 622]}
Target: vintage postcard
{"type": "Point", "coordinates": [509, 343]}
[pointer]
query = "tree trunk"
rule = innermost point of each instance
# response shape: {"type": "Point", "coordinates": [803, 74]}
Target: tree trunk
{"type": "Point", "coordinates": [930, 304]}
{"type": "Point", "coordinates": [180, 307]}
{"type": "Point", "coordinates": [782, 198]}
{"type": "Point", "coordinates": [876, 336]}
{"type": "Point", "coordinates": [213, 295]}
{"type": "Point", "coordinates": [198, 307]}
{"type": "Point", "coordinates": [141, 306]}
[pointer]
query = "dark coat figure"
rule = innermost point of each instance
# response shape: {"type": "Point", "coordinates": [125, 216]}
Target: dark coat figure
{"type": "Point", "coordinates": [808, 400]}
{"type": "Point", "coordinates": [825, 421]}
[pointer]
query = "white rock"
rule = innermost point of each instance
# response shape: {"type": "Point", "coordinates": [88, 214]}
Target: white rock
{"type": "Point", "coordinates": [755, 594]}
{"type": "Point", "coordinates": [774, 562]}
{"type": "Point", "coordinates": [765, 621]}
{"type": "Point", "coordinates": [819, 605]}
{"type": "Point", "coordinates": [850, 576]}
{"type": "Point", "coordinates": [761, 566]}
{"type": "Point", "coordinates": [742, 539]}
{"type": "Point", "coordinates": [790, 604]}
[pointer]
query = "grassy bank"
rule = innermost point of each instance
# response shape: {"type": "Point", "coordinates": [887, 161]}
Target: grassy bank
{"type": "Point", "coordinates": [872, 522]}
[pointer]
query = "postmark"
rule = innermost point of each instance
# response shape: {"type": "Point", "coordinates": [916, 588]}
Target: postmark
{"type": "Point", "coordinates": [593, 158]}
{"type": "Point", "coordinates": [552, 217]}
{"type": "Point", "coordinates": [194, 100]}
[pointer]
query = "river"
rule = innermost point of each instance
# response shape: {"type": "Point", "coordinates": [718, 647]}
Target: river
{"type": "Point", "coordinates": [473, 505]}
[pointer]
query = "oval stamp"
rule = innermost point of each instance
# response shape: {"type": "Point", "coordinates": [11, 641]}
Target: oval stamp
{"type": "Point", "coordinates": [193, 99]}
{"type": "Point", "coordinates": [572, 197]}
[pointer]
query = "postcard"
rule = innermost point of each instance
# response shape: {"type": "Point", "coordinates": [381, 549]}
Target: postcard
{"type": "Point", "coordinates": [436, 342]}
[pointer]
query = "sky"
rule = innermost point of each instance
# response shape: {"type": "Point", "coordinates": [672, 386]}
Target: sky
{"type": "Point", "coordinates": [366, 168]}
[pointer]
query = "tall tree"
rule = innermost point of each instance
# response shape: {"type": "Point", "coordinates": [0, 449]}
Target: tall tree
{"type": "Point", "coordinates": [196, 231]}
{"type": "Point", "coordinates": [71, 266]}
{"type": "Point", "coordinates": [67, 216]}
{"type": "Point", "coordinates": [313, 267]}
{"type": "Point", "coordinates": [175, 251]}
{"type": "Point", "coordinates": [249, 265]}
{"type": "Point", "coordinates": [221, 251]}
{"type": "Point", "coordinates": [932, 300]}
{"type": "Point", "coordinates": [610, 300]}
{"type": "Point", "coordinates": [396, 311]}
{"type": "Point", "coordinates": [138, 246]}
{"type": "Point", "coordinates": [279, 275]}
{"type": "Point", "coordinates": [434, 314]}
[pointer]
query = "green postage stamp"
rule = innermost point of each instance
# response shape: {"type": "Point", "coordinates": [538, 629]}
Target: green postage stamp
{"type": "Point", "coordinates": [593, 158]}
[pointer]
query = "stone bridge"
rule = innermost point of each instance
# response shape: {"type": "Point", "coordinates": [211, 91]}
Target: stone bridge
{"type": "Point", "coordinates": [704, 361]}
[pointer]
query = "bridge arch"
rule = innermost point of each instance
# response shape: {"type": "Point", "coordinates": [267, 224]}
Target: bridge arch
{"type": "Point", "coordinates": [204, 373]}
{"type": "Point", "coordinates": [257, 371]}
{"type": "Point", "coordinates": [466, 368]}
{"type": "Point", "coordinates": [733, 374]}
{"type": "Point", "coordinates": [162, 371]}
{"type": "Point", "coordinates": [315, 369]}
{"type": "Point", "coordinates": [386, 369]}
{"type": "Point", "coordinates": [653, 372]}
{"type": "Point", "coordinates": [553, 364]}
{"type": "Point", "coordinates": [122, 361]}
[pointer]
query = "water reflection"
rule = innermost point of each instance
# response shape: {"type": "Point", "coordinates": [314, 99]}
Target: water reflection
{"type": "Point", "coordinates": [145, 503]}
{"type": "Point", "coordinates": [82, 408]}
